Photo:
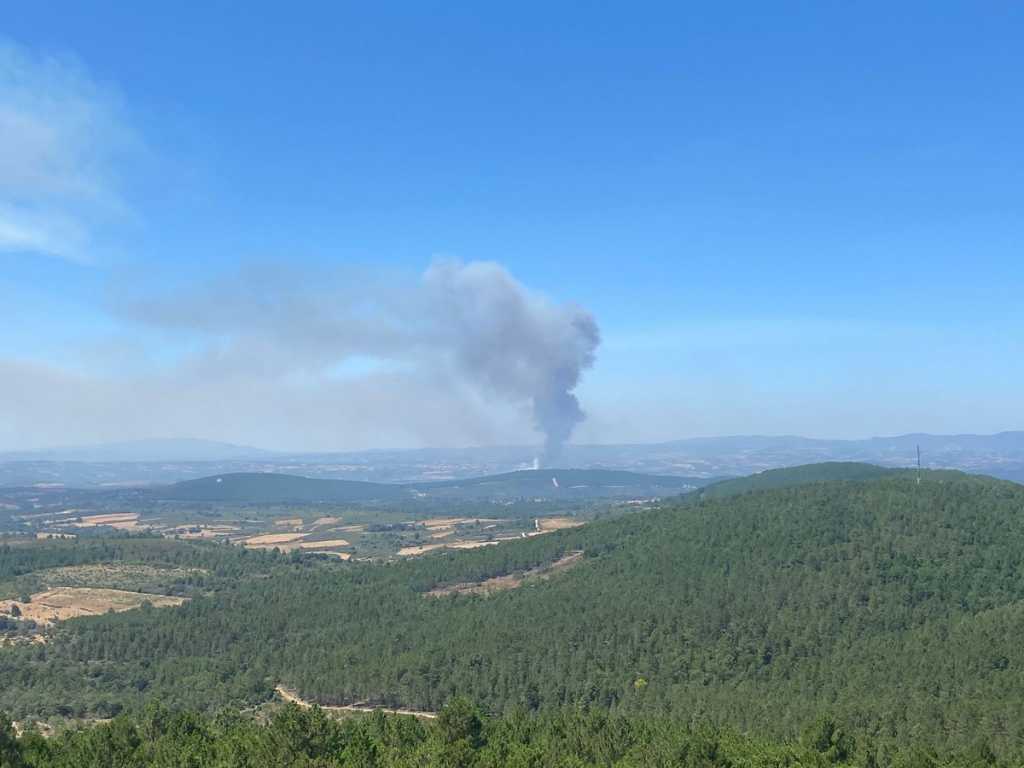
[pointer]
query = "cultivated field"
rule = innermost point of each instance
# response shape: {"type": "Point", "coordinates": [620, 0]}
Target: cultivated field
{"type": "Point", "coordinates": [270, 540]}
{"type": "Point", "coordinates": [124, 521]}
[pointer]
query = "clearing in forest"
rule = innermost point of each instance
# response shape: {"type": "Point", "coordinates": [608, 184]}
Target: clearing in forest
{"type": "Point", "coordinates": [293, 698]}
{"type": "Point", "coordinates": [202, 531]}
{"type": "Point", "coordinates": [62, 603]}
{"type": "Point", "coordinates": [273, 539]}
{"type": "Point", "coordinates": [510, 581]}
{"type": "Point", "coordinates": [548, 524]}
{"type": "Point", "coordinates": [422, 549]}
{"type": "Point", "coordinates": [125, 521]}
{"type": "Point", "coordinates": [327, 544]}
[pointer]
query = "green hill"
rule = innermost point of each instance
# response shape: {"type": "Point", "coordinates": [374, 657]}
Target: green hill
{"type": "Point", "coordinates": [259, 487]}
{"type": "Point", "coordinates": [564, 483]}
{"type": "Point", "coordinates": [896, 607]}
{"type": "Point", "coordinates": [794, 476]}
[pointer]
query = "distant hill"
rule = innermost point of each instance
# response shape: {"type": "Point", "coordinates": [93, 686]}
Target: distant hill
{"type": "Point", "coordinates": [267, 487]}
{"type": "Point", "coordinates": [166, 461]}
{"type": "Point", "coordinates": [795, 476]}
{"type": "Point", "coordinates": [565, 483]}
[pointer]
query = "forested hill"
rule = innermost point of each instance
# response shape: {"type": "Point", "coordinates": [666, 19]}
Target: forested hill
{"type": "Point", "coordinates": [794, 476]}
{"type": "Point", "coordinates": [896, 607]}
{"type": "Point", "coordinates": [267, 487]}
{"type": "Point", "coordinates": [564, 483]}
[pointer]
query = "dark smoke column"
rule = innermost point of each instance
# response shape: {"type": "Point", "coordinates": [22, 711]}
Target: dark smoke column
{"type": "Point", "coordinates": [517, 343]}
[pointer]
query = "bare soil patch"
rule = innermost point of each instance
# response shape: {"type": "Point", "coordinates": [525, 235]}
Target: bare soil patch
{"type": "Point", "coordinates": [422, 549]}
{"type": "Point", "coordinates": [547, 524]}
{"type": "Point", "coordinates": [62, 603]}
{"type": "Point", "coordinates": [510, 581]}
{"type": "Point", "coordinates": [327, 544]}
{"type": "Point", "coordinates": [273, 539]}
{"type": "Point", "coordinates": [292, 697]}
{"type": "Point", "coordinates": [124, 521]}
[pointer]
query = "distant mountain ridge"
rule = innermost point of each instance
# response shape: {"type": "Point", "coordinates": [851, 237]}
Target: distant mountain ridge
{"type": "Point", "coordinates": [165, 461]}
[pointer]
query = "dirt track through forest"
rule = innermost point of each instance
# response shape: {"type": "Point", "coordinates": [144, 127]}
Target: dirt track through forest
{"type": "Point", "coordinates": [291, 696]}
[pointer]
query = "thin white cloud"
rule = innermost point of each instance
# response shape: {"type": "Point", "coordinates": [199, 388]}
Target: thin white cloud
{"type": "Point", "coordinates": [60, 136]}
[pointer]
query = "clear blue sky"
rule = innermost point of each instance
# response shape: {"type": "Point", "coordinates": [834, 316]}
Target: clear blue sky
{"type": "Point", "coordinates": [785, 217]}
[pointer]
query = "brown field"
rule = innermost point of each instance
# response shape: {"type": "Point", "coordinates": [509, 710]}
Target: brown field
{"type": "Point", "coordinates": [546, 524]}
{"type": "Point", "coordinates": [322, 521]}
{"type": "Point", "coordinates": [325, 544]}
{"type": "Point", "coordinates": [295, 542]}
{"type": "Point", "coordinates": [124, 521]}
{"type": "Point", "coordinates": [292, 521]}
{"type": "Point", "coordinates": [449, 522]}
{"type": "Point", "coordinates": [442, 533]}
{"type": "Point", "coordinates": [422, 549]}
{"type": "Point", "coordinates": [62, 603]}
{"type": "Point", "coordinates": [510, 581]}
{"type": "Point", "coordinates": [352, 528]}
{"type": "Point", "coordinates": [273, 539]}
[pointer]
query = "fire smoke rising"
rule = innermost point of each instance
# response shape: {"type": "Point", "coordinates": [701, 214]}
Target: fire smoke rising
{"type": "Point", "coordinates": [415, 342]}
{"type": "Point", "coordinates": [516, 343]}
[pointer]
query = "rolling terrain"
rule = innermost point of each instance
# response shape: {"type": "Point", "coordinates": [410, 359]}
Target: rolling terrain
{"type": "Point", "coordinates": [896, 607]}
{"type": "Point", "coordinates": [544, 484]}
{"type": "Point", "coordinates": [161, 462]}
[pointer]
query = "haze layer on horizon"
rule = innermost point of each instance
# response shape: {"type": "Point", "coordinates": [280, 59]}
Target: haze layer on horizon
{"type": "Point", "coordinates": [350, 229]}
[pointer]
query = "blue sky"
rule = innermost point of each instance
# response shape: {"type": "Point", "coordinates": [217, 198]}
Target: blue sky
{"type": "Point", "coordinates": [785, 218]}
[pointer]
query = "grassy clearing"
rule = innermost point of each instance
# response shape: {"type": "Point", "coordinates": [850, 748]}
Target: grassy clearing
{"type": "Point", "coordinates": [62, 603]}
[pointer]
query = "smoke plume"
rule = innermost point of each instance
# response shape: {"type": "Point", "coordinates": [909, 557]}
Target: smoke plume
{"type": "Point", "coordinates": [516, 343]}
{"type": "Point", "coordinates": [450, 355]}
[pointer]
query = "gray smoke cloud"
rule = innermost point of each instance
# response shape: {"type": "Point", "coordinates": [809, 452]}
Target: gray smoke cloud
{"type": "Point", "coordinates": [459, 333]}
{"type": "Point", "coordinates": [516, 343]}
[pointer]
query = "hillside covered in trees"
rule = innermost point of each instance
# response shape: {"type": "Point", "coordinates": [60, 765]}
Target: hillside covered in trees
{"type": "Point", "coordinates": [895, 607]}
{"type": "Point", "coordinates": [459, 738]}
